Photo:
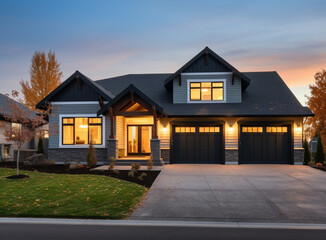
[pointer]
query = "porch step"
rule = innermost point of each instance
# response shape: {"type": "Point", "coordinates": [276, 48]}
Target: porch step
{"type": "Point", "coordinates": [142, 162]}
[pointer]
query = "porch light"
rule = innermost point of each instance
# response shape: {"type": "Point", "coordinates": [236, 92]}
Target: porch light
{"type": "Point", "coordinates": [298, 129]}
{"type": "Point", "coordinates": [165, 129]}
{"type": "Point", "coordinates": [231, 128]}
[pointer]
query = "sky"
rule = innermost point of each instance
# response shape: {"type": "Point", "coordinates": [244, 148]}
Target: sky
{"type": "Point", "coordinates": [103, 39]}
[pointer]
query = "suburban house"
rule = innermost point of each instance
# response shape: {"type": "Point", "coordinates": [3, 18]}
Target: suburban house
{"type": "Point", "coordinates": [206, 112]}
{"type": "Point", "coordinates": [7, 149]}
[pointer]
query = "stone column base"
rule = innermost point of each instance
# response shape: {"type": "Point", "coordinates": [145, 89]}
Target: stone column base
{"type": "Point", "coordinates": [112, 148]}
{"type": "Point", "coordinates": [231, 156]}
{"type": "Point", "coordinates": [298, 156]}
{"type": "Point", "coordinates": [156, 152]}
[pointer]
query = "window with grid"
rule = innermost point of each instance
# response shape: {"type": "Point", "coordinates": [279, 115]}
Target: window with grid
{"type": "Point", "coordinates": [206, 91]}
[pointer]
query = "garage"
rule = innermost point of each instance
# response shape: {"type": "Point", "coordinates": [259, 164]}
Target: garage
{"type": "Point", "coordinates": [268, 144]}
{"type": "Point", "coordinates": [197, 144]}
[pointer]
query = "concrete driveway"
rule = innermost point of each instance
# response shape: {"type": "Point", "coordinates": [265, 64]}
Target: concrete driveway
{"type": "Point", "coordinates": [246, 193]}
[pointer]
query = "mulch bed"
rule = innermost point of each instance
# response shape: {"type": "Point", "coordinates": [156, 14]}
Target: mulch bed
{"type": "Point", "coordinates": [323, 168]}
{"type": "Point", "coordinates": [62, 169]}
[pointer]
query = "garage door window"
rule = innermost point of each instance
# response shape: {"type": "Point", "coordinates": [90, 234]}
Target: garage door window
{"type": "Point", "coordinates": [252, 129]}
{"type": "Point", "coordinates": [209, 129]}
{"type": "Point", "coordinates": [276, 129]}
{"type": "Point", "coordinates": [185, 129]}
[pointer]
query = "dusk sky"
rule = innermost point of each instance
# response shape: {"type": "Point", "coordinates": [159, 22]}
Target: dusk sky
{"type": "Point", "coordinates": [109, 38]}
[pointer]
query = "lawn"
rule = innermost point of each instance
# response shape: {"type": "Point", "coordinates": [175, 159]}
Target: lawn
{"type": "Point", "coordinates": [67, 196]}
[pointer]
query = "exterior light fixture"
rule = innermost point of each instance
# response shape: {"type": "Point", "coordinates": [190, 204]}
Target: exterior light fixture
{"type": "Point", "coordinates": [165, 129]}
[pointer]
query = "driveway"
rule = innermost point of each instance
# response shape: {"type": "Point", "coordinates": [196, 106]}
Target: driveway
{"type": "Point", "coordinates": [246, 193]}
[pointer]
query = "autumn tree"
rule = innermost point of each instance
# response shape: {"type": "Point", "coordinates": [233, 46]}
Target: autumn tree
{"type": "Point", "coordinates": [28, 122]}
{"type": "Point", "coordinates": [317, 104]}
{"type": "Point", "coordinates": [45, 76]}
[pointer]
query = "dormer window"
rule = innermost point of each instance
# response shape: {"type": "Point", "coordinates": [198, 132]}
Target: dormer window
{"type": "Point", "coordinates": [206, 90]}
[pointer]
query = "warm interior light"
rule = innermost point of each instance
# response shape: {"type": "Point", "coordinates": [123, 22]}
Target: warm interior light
{"type": "Point", "coordinates": [83, 126]}
{"type": "Point", "coordinates": [204, 89]}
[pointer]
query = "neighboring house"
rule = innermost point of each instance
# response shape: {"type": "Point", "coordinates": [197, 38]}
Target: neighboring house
{"type": "Point", "coordinates": [7, 148]}
{"type": "Point", "coordinates": [205, 112]}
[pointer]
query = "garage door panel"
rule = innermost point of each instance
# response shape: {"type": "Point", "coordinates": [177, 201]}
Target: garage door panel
{"type": "Point", "coordinates": [270, 145]}
{"type": "Point", "coordinates": [205, 145]}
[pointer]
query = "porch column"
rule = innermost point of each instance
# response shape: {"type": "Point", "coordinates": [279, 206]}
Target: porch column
{"type": "Point", "coordinates": [154, 129]}
{"type": "Point", "coordinates": [112, 142]}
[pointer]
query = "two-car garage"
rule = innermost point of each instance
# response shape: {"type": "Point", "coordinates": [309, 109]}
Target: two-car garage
{"type": "Point", "coordinates": [258, 144]}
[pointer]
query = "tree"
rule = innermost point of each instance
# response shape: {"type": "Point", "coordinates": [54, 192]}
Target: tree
{"type": "Point", "coordinates": [45, 76]}
{"type": "Point", "coordinates": [27, 123]}
{"type": "Point", "coordinates": [319, 154]}
{"type": "Point", "coordinates": [91, 156]}
{"type": "Point", "coordinates": [317, 104]}
{"type": "Point", "coordinates": [307, 156]}
{"type": "Point", "coordinates": [40, 147]}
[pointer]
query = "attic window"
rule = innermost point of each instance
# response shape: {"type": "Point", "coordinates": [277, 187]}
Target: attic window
{"type": "Point", "coordinates": [206, 91]}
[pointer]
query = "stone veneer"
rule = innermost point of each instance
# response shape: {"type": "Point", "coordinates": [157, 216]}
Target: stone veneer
{"type": "Point", "coordinates": [231, 156]}
{"type": "Point", "coordinates": [112, 148]}
{"type": "Point", "coordinates": [68, 155]}
{"type": "Point", "coordinates": [156, 152]}
{"type": "Point", "coordinates": [298, 156]}
{"type": "Point", "coordinates": [165, 154]}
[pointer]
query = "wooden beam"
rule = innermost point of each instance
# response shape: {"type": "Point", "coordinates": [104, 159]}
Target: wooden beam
{"type": "Point", "coordinates": [133, 113]}
{"type": "Point", "coordinates": [100, 101]}
{"type": "Point", "coordinates": [206, 58]}
{"type": "Point", "coordinates": [112, 121]}
{"type": "Point", "coordinates": [132, 96]}
{"type": "Point", "coordinates": [154, 129]}
{"type": "Point", "coordinates": [232, 77]}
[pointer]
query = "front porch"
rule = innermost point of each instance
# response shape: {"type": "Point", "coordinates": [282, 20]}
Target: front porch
{"type": "Point", "coordinates": [134, 128]}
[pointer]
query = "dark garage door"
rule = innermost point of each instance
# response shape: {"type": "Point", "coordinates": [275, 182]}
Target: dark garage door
{"type": "Point", "coordinates": [265, 145]}
{"type": "Point", "coordinates": [197, 144]}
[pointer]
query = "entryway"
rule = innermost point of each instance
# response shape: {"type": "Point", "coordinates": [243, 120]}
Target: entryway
{"type": "Point", "coordinates": [139, 137]}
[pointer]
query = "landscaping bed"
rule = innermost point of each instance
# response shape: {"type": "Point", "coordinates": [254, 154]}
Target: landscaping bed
{"type": "Point", "coordinates": [63, 169]}
{"type": "Point", "coordinates": [67, 196]}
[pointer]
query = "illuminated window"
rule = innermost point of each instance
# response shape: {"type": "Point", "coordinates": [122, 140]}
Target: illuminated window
{"type": "Point", "coordinates": [185, 129]}
{"type": "Point", "coordinates": [252, 129]}
{"type": "Point", "coordinates": [206, 91]}
{"type": "Point", "coordinates": [276, 129]}
{"type": "Point", "coordinates": [209, 129]}
{"type": "Point", "coordinates": [15, 128]}
{"type": "Point", "coordinates": [80, 131]}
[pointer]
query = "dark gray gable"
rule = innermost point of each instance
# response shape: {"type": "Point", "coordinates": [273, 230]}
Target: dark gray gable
{"type": "Point", "coordinates": [207, 61]}
{"type": "Point", "coordinates": [77, 87]}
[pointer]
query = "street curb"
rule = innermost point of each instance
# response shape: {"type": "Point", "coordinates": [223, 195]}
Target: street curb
{"type": "Point", "coordinates": [135, 223]}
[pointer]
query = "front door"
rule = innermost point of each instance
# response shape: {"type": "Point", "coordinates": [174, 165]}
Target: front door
{"type": "Point", "coordinates": [139, 140]}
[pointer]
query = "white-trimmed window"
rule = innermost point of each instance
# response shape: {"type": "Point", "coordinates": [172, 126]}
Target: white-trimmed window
{"type": "Point", "coordinates": [206, 90]}
{"type": "Point", "coordinates": [16, 128]}
{"type": "Point", "coordinates": [79, 131]}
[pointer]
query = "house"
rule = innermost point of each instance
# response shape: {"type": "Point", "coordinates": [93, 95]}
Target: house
{"type": "Point", "coordinates": [7, 149]}
{"type": "Point", "coordinates": [206, 112]}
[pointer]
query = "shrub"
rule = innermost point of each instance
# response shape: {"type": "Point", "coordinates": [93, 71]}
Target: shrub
{"type": "Point", "coordinates": [40, 147]}
{"type": "Point", "coordinates": [319, 165]}
{"type": "Point", "coordinates": [91, 156]}
{"type": "Point", "coordinates": [311, 163]}
{"type": "Point", "coordinates": [112, 162]}
{"type": "Point", "coordinates": [319, 155]}
{"type": "Point", "coordinates": [307, 156]}
{"type": "Point", "coordinates": [141, 177]}
{"type": "Point", "coordinates": [150, 163]}
{"type": "Point", "coordinates": [134, 169]}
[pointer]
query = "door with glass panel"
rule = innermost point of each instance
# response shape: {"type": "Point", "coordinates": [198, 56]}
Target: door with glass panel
{"type": "Point", "coordinates": [139, 140]}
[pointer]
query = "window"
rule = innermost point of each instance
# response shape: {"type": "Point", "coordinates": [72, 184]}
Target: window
{"type": "Point", "coordinates": [276, 129]}
{"type": "Point", "coordinates": [252, 129]}
{"type": "Point", "coordinates": [206, 91]}
{"type": "Point", "coordinates": [15, 128]}
{"type": "Point", "coordinates": [81, 130]}
{"type": "Point", "coordinates": [185, 129]}
{"type": "Point", "coordinates": [209, 129]}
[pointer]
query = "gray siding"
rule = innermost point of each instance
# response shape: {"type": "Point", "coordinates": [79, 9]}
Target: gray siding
{"type": "Point", "coordinates": [233, 92]}
{"type": "Point", "coordinates": [72, 109]}
{"type": "Point", "coordinates": [213, 65]}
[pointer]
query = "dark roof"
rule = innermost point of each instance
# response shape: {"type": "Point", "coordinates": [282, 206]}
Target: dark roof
{"type": "Point", "coordinates": [6, 110]}
{"type": "Point", "coordinates": [96, 87]}
{"type": "Point", "coordinates": [267, 95]}
{"type": "Point", "coordinates": [245, 82]}
{"type": "Point", "coordinates": [130, 88]}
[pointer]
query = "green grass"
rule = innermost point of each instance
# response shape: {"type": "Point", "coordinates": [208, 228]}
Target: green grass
{"type": "Point", "coordinates": [67, 196]}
